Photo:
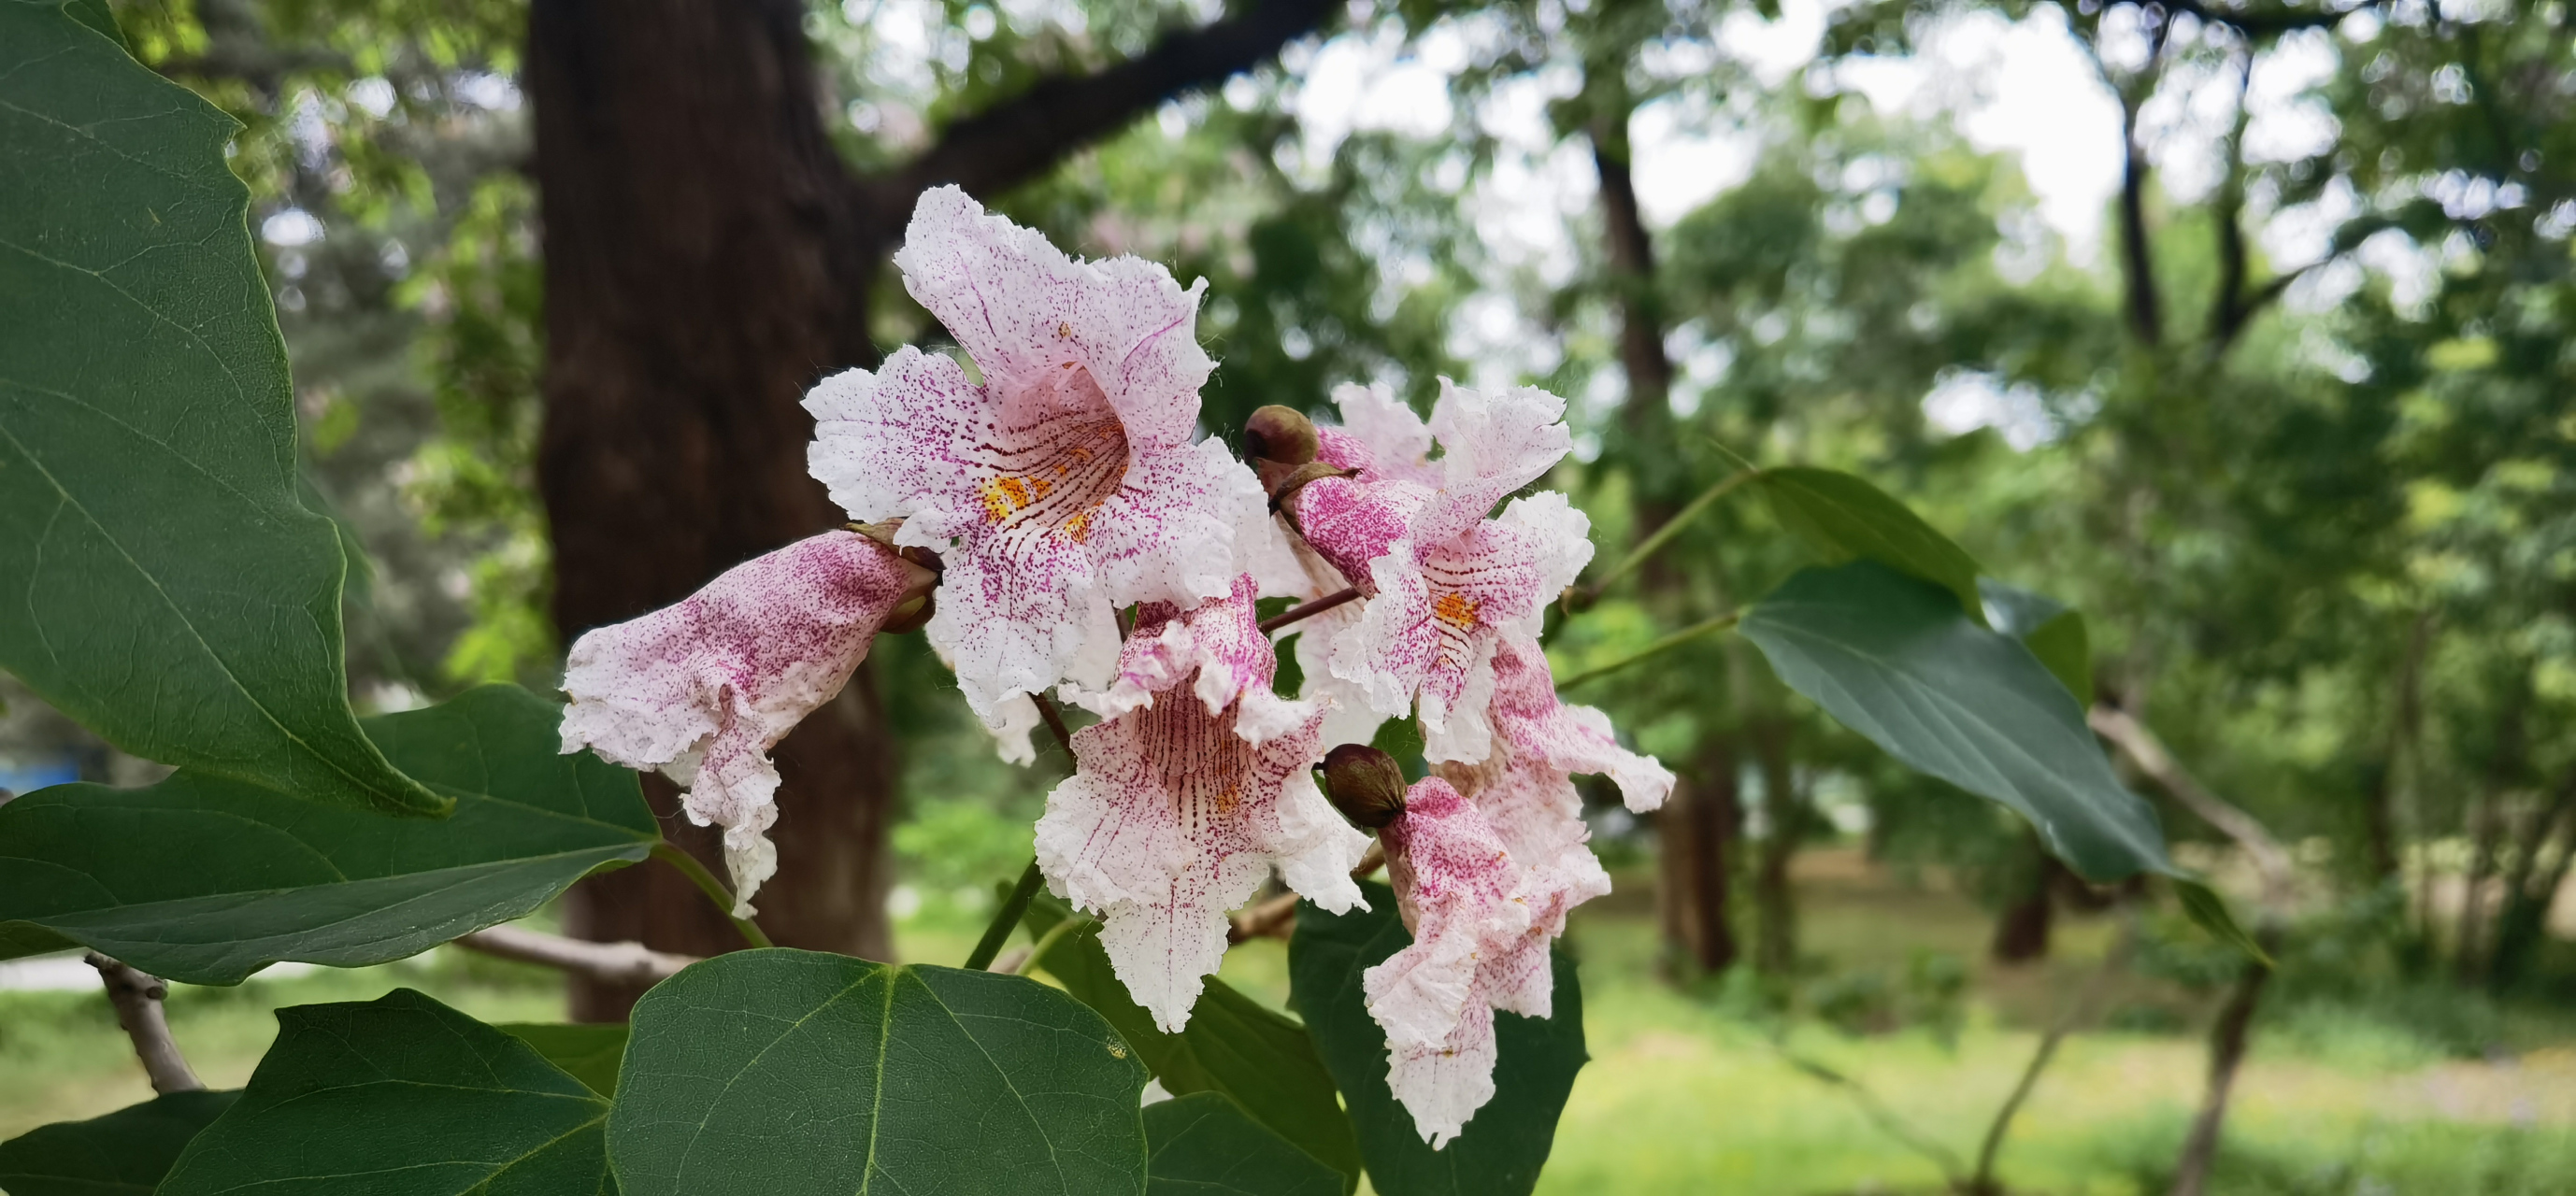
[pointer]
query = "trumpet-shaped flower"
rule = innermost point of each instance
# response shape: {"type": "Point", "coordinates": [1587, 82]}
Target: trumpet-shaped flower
{"type": "Point", "coordinates": [1065, 483]}
{"type": "Point", "coordinates": [1185, 796]}
{"type": "Point", "coordinates": [704, 689]}
{"type": "Point", "coordinates": [1442, 580]}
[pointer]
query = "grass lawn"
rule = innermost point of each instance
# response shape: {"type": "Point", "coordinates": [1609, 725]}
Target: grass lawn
{"type": "Point", "coordinates": [1687, 1093]}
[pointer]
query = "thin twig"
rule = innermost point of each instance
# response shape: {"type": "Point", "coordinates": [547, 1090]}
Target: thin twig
{"type": "Point", "coordinates": [1036, 953]}
{"type": "Point", "coordinates": [2140, 745]}
{"type": "Point", "coordinates": [1054, 720]}
{"type": "Point", "coordinates": [670, 853]}
{"type": "Point", "coordinates": [1983, 1182]}
{"type": "Point", "coordinates": [608, 963]}
{"type": "Point", "coordinates": [998, 931]}
{"type": "Point", "coordinates": [1877, 1111]}
{"type": "Point", "coordinates": [1666, 644]}
{"type": "Point", "coordinates": [1270, 919]}
{"type": "Point", "coordinates": [1583, 596]}
{"type": "Point", "coordinates": [1307, 610]}
{"type": "Point", "coordinates": [137, 998]}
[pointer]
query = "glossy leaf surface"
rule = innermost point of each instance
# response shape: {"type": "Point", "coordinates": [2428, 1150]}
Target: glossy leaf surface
{"type": "Point", "coordinates": [1893, 658]}
{"type": "Point", "coordinates": [2053, 631]}
{"type": "Point", "coordinates": [1206, 1145]}
{"type": "Point", "coordinates": [1507, 1141]}
{"type": "Point", "coordinates": [1847, 518]}
{"type": "Point", "coordinates": [205, 879]}
{"type": "Point", "coordinates": [159, 580]}
{"type": "Point", "coordinates": [589, 1053]}
{"type": "Point", "coordinates": [789, 1073]}
{"type": "Point", "coordinates": [124, 1153]}
{"type": "Point", "coordinates": [400, 1096]}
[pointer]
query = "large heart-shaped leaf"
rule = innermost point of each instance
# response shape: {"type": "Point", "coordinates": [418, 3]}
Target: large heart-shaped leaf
{"type": "Point", "coordinates": [2053, 631]}
{"type": "Point", "coordinates": [1848, 519]}
{"type": "Point", "coordinates": [588, 1052]}
{"type": "Point", "coordinates": [1206, 1145]}
{"type": "Point", "coordinates": [399, 1096]}
{"type": "Point", "coordinates": [1895, 659]}
{"type": "Point", "coordinates": [1507, 1141]}
{"type": "Point", "coordinates": [786, 1073]}
{"type": "Point", "coordinates": [1234, 1045]}
{"type": "Point", "coordinates": [207, 880]}
{"type": "Point", "coordinates": [159, 581]}
{"type": "Point", "coordinates": [122, 1154]}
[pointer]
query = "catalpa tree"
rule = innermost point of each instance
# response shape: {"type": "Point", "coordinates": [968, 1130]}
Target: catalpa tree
{"type": "Point", "coordinates": [1048, 511]}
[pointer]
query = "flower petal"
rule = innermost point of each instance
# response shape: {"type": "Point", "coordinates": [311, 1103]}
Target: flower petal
{"type": "Point", "coordinates": [1489, 447]}
{"type": "Point", "coordinates": [714, 682]}
{"type": "Point", "coordinates": [1379, 435]}
{"type": "Point", "coordinates": [1569, 738]}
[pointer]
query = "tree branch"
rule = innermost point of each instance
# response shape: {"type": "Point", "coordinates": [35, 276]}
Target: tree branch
{"type": "Point", "coordinates": [137, 998]}
{"type": "Point", "coordinates": [2229, 309]}
{"type": "Point", "coordinates": [608, 963]}
{"type": "Point", "coordinates": [2267, 22]}
{"type": "Point", "coordinates": [2148, 752]}
{"type": "Point", "coordinates": [1022, 137]}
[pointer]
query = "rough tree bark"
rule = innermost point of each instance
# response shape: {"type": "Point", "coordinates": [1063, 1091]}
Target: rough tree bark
{"type": "Point", "coordinates": [1775, 904]}
{"type": "Point", "coordinates": [1698, 827]}
{"type": "Point", "coordinates": [707, 257]}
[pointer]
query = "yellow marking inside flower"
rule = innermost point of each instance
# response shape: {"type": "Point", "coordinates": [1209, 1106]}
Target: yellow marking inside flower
{"type": "Point", "coordinates": [1228, 800]}
{"type": "Point", "coordinates": [1455, 609]}
{"type": "Point", "coordinates": [1008, 496]}
{"type": "Point", "coordinates": [1079, 527]}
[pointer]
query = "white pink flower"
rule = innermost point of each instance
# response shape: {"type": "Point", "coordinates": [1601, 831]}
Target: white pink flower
{"type": "Point", "coordinates": [1442, 580]}
{"type": "Point", "coordinates": [1191, 789]}
{"type": "Point", "coordinates": [1062, 486]}
{"type": "Point", "coordinates": [704, 689]}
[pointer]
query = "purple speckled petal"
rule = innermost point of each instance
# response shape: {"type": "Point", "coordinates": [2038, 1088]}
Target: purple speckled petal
{"type": "Point", "coordinates": [1183, 801]}
{"type": "Point", "coordinates": [706, 687]}
{"type": "Point", "coordinates": [1489, 447]}
{"type": "Point", "coordinates": [1574, 739]}
{"type": "Point", "coordinates": [1063, 487]}
{"type": "Point", "coordinates": [1378, 435]}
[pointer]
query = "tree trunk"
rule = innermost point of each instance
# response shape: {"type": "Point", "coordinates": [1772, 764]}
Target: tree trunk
{"type": "Point", "coordinates": [702, 268]}
{"type": "Point", "coordinates": [2531, 889]}
{"type": "Point", "coordinates": [1775, 910]}
{"type": "Point", "coordinates": [1699, 826]}
{"type": "Point", "coordinates": [2021, 930]}
{"type": "Point", "coordinates": [2227, 1042]}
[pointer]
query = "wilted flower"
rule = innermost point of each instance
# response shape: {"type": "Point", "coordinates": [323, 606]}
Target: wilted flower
{"type": "Point", "coordinates": [703, 689]}
{"type": "Point", "coordinates": [1062, 486]}
{"type": "Point", "coordinates": [1193, 785]}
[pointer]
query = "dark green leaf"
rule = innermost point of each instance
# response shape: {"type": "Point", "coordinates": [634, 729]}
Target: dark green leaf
{"type": "Point", "coordinates": [1847, 519]}
{"type": "Point", "coordinates": [781, 1073]}
{"type": "Point", "coordinates": [588, 1053]}
{"type": "Point", "coordinates": [400, 1096]}
{"type": "Point", "coordinates": [1894, 659]}
{"type": "Point", "coordinates": [1206, 1145]}
{"type": "Point", "coordinates": [163, 585]}
{"type": "Point", "coordinates": [2208, 910]}
{"type": "Point", "coordinates": [1235, 1045]}
{"type": "Point", "coordinates": [2053, 631]}
{"type": "Point", "coordinates": [1507, 1141]}
{"type": "Point", "coordinates": [207, 880]}
{"type": "Point", "coordinates": [127, 1151]}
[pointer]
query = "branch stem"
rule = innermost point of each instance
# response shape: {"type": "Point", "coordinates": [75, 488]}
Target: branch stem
{"type": "Point", "coordinates": [998, 931]}
{"type": "Point", "coordinates": [137, 998]}
{"type": "Point", "coordinates": [609, 963]}
{"type": "Point", "coordinates": [1047, 941]}
{"type": "Point", "coordinates": [1982, 1183]}
{"type": "Point", "coordinates": [1584, 596]}
{"type": "Point", "coordinates": [1666, 644]}
{"type": "Point", "coordinates": [1307, 610]}
{"type": "Point", "coordinates": [1054, 720]}
{"type": "Point", "coordinates": [670, 853]}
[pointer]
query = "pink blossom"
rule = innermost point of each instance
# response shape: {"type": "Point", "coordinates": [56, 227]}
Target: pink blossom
{"type": "Point", "coordinates": [1185, 796]}
{"type": "Point", "coordinates": [1442, 580]}
{"type": "Point", "coordinates": [1065, 484]}
{"type": "Point", "coordinates": [703, 689]}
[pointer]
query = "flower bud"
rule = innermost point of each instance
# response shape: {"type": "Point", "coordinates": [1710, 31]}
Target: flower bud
{"type": "Point", "coordinates": [911, 614]}
{"type": "Point", "coordinates": [1365, 784]}
{"type": "Point", "coordinates": [1281, 434]}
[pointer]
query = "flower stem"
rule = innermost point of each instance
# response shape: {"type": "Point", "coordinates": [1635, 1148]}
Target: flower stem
{"type": "Point", "coordinates": [1047, 941]}
{"type": "Point", "coordinates": [1305, 610]}
{"type": "Point", "coordinates": [999, 931]}
{"type": "Point", "coordinates": [1583, 596]}
{"type": "Point", "coordinates": [1666, 644]}
{"type": "Point", "coordinates": [1054, 721]}
{"type": "Point", "coordinates": [715, 890]}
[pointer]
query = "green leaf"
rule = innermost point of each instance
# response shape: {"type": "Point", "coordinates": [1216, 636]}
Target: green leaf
{"type": "Point", "coordinates": [2053, 631]}
{"type": "Point", "coordinates": [159, 582]}
{"type": "Point", "coordinates": [1507, 1141]}
{"type": "Point", "coordinates": [400, 1096]}
{"type": "Point", "coordinates": [2208, 910]}
{"type": "Point", "coordinates": [1206, 1145]}
{"type": "Point", "coordinates": [588, 1053]}
{"type": "Point", "coordinates": [1235, 1045]}
{"type": "Point", "coordinates": [127, 1151]}
{"type": "Point", "coordinates": [207, 880]}
{"type": "Point", "coordinates": [1894, 659]}
{"type": "Point", "coordinates": [1846, 518]}
{"type": "Point", "coordinates": [780, 1073]}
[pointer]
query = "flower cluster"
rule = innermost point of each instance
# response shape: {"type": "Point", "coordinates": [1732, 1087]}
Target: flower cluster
{"type": "Point", "coordinates": [1028, 507]}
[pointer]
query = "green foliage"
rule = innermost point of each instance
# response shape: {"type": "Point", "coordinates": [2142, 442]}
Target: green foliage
{"type": "Point", "coordinates": [127, 1151]}
{"type": "Point", "coordinates": [1233, 1045]}
{"type": "Point", "coordinates": [783, 1072]}
{"type": "Point", "coordinates": [2053, 631]}
{"type": "Point", "coordinates": [1206, 1145]}
{"type": "Point", "coordinates": [400, 1096]}
{"type": "Point", "coordinates": [1894, 659]}
{"type": "Point", "coordinates": [1849, 519]}
{"type": "Point", "coordinates": [1507, 1142]}
{"type": "Point", "coordinates": [205, 879]}
{"type": "Point", "coordinates": [172, 593]}
{"type": "Point", "coordinates": [587, 1052]}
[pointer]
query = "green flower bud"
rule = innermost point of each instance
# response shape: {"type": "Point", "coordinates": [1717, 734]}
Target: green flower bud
{"type": "Point", "coordinates": [1365, 784]}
